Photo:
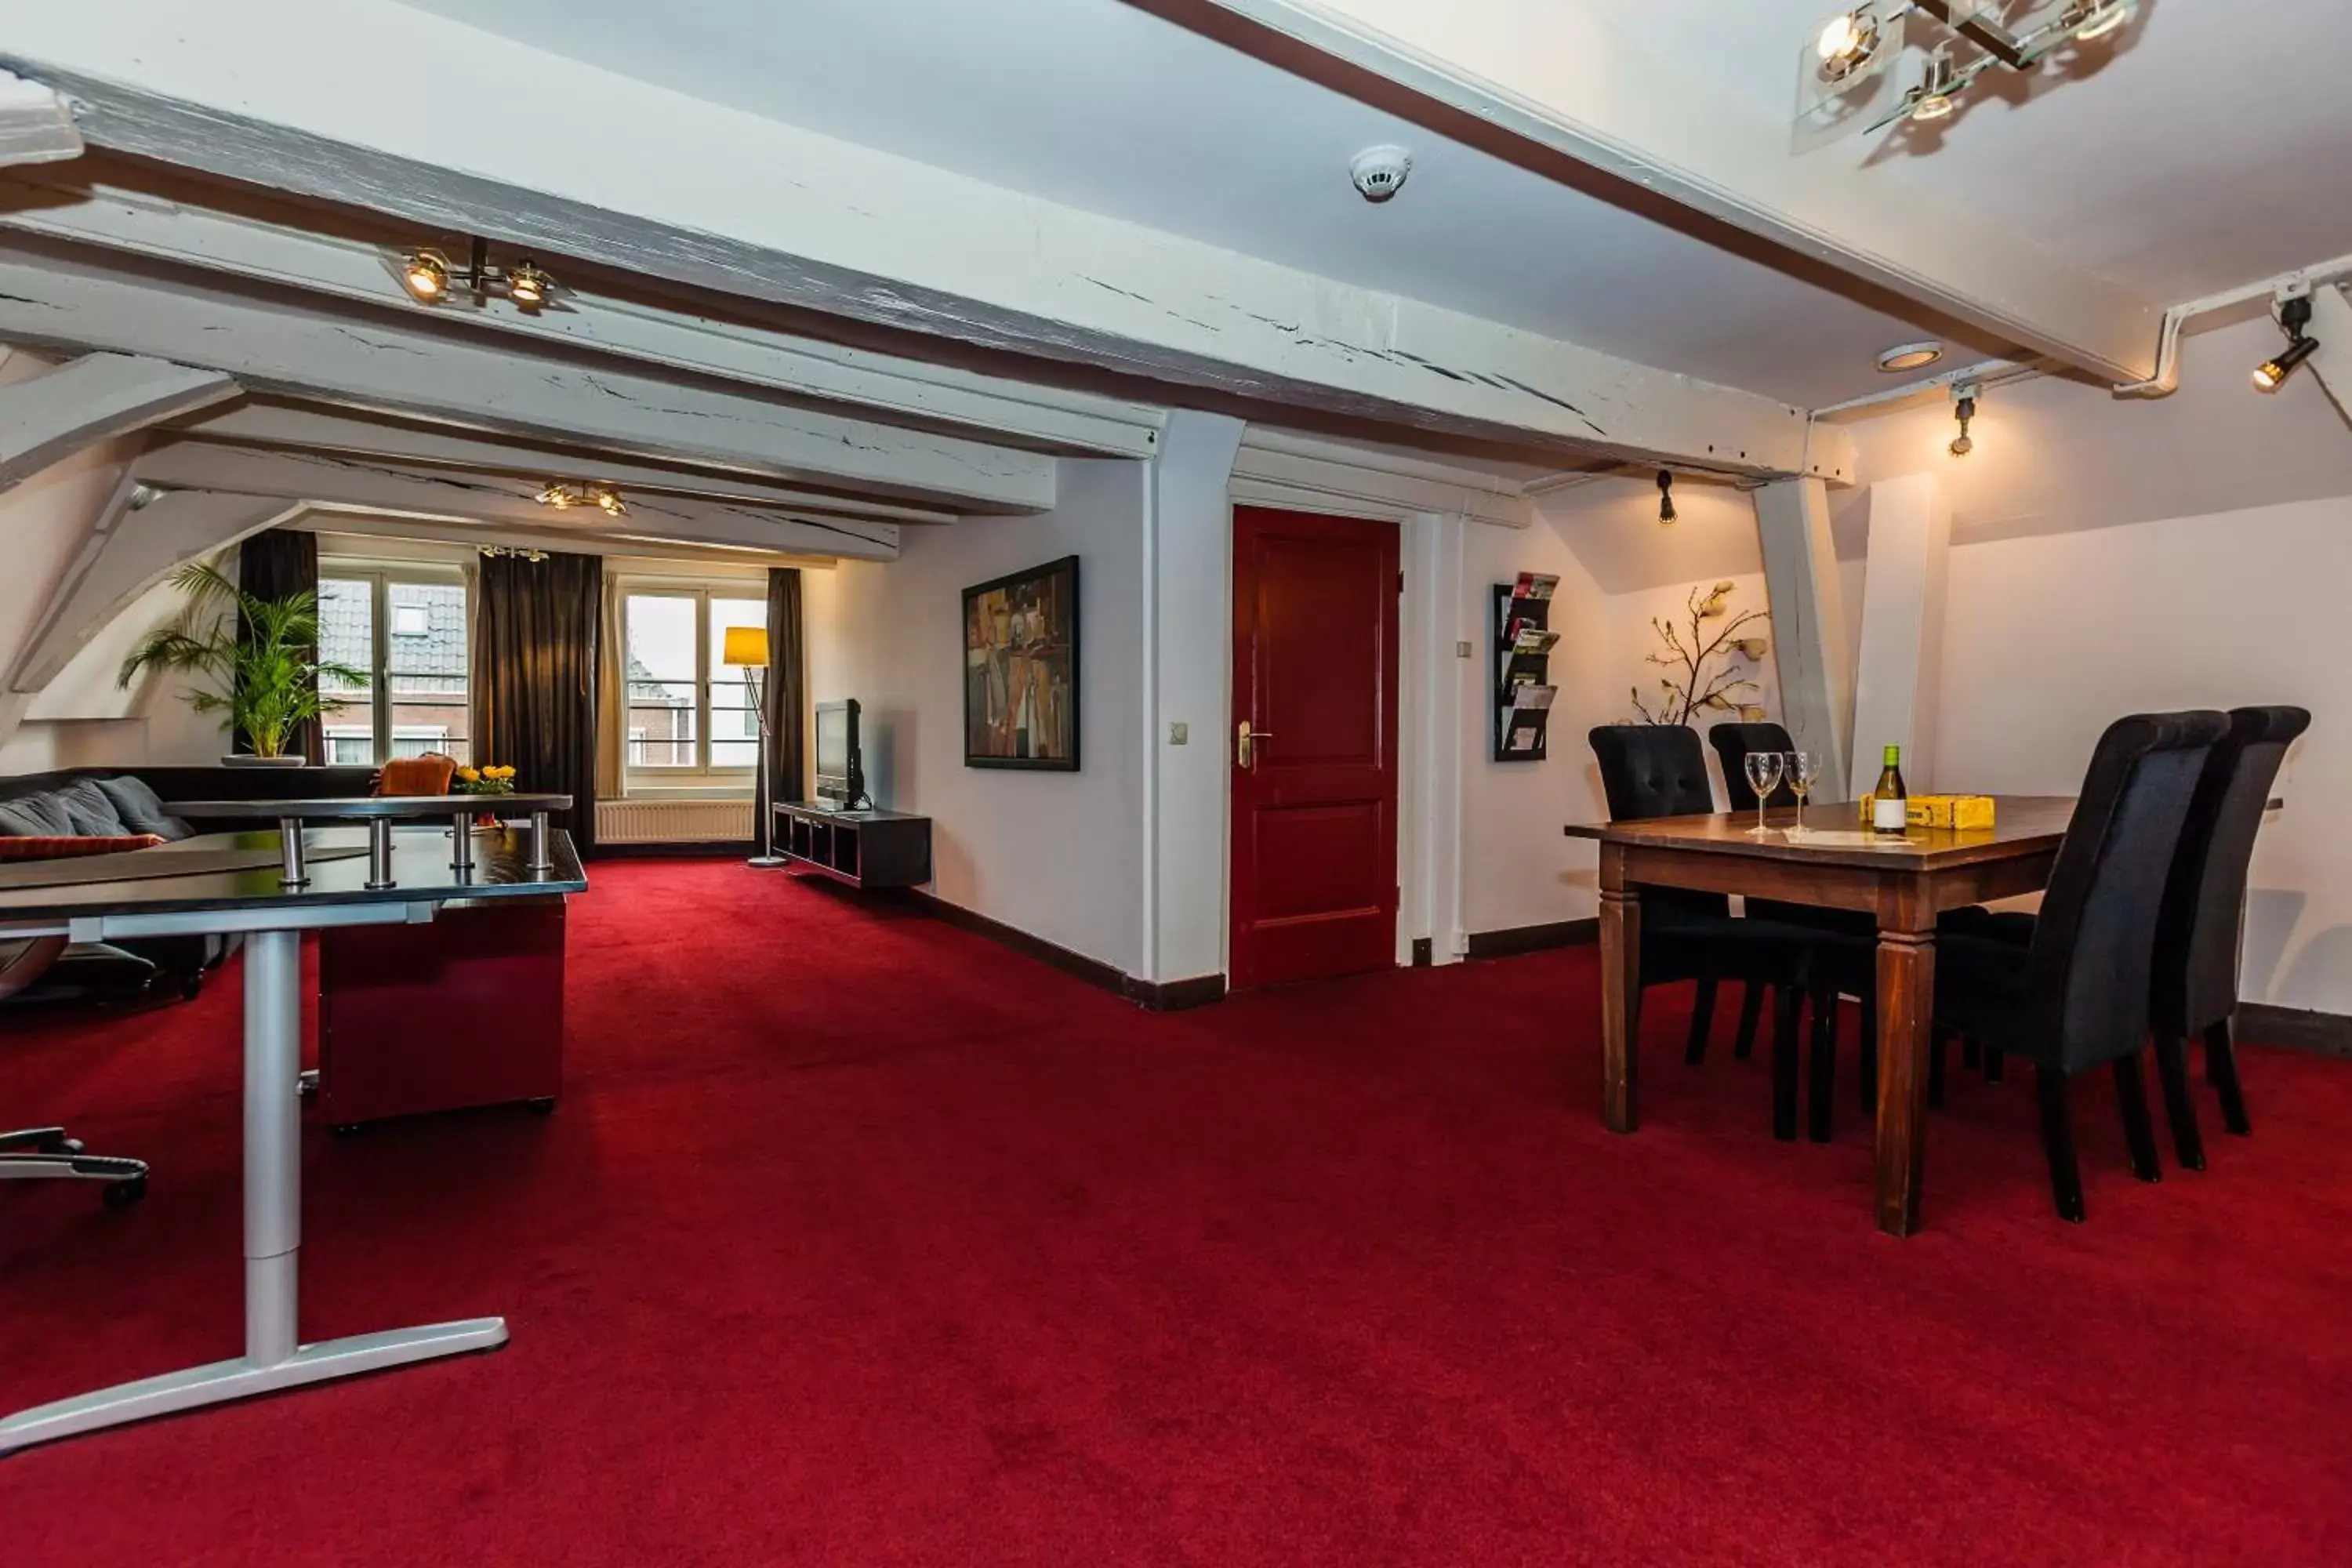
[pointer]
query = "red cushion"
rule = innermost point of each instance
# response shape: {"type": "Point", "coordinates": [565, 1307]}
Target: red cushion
{"type": "Point", "coordinates": [63, 849]}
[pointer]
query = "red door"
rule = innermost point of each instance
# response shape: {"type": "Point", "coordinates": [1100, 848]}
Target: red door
{"type": "Point", "coordinates": [1315, 788]}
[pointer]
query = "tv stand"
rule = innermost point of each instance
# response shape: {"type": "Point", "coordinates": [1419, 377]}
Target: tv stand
{"type": "Point", "coordinates": [865, 848]}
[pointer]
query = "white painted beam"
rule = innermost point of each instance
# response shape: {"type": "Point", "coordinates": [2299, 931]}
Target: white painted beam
{"type": "Point", "coordinates": [1808, 641]}
{"type": "Point", "coordinates": [48, 298]}
{"type": "Point", "coordinates": [627, 174]}
{"type": "Point", "coordinates": [35, 123]}
{"type": "Point", "coordinates": [94, 399]}
{"type": "Point", "coordinates": [1278, 468]}
{"type": "Point", "coordinates": [139, 539]}
{"type": "Point", "coordinates": [278, 427]}
{"type": "Point", "coordinates": [401, 534]}
{"type": "Point", "coordinates": [1898, 669]}
{"type": "Point", "coordinates": [329, 480]}
{"type": "Point", "coordinates": [171, 225]}
{"type": "Point", "coordinates": [1556, 80]}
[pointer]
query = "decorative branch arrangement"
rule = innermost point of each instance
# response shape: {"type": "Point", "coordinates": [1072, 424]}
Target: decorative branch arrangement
{"type": "Point", "coordinates": [1698, 682]}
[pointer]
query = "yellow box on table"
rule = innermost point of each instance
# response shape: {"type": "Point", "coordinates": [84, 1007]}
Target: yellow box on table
{"type": "Point", "coordinates": [1962, 812]}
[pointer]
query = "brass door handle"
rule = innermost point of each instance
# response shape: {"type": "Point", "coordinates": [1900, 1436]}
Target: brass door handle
{"type": "Point", "coordinates": [1245, 751]}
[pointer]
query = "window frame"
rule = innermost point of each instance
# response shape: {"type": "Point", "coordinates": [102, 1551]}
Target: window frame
{"type": "Point", "coordinates": [380, 577]}
{"type": "Point", "coordinates": [700, 777]}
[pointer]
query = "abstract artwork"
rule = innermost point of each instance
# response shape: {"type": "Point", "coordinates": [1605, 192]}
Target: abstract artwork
{"type": "Point", "coordinates": [1021, 669]}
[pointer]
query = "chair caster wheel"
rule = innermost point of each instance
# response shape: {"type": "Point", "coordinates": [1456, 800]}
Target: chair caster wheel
{"type": "Point", "coordinates": [123, 1194]}
{"type": "Point", "coordinates": [543, 1106]}
{"type": "Point", "coordinates": [345, 1129]}
{"type": "Point", "coordinates": [56, 1144]}
{"type": "Point", "coordinates": [192, 987]}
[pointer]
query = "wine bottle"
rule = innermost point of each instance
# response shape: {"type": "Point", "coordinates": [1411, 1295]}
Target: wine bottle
{"type": "Point", "coordinates": [1890, 802]}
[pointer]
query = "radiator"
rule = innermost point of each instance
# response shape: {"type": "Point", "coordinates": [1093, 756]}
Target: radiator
{"type": "Point", "coordinates": [673, 821]}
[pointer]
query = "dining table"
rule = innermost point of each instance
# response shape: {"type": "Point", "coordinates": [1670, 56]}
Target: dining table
{"type": "Point", "coordinates": [1823, 855]}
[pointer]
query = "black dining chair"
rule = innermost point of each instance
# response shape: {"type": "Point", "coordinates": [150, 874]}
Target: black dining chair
{"type": "Point", "coordinates": [2196, 971]}
{"type": "Point", "coordinates": [1660, 770]}
{"type": "Point", "coordinates": [2074, 994]}
{"type": "Point", "coordinates": [1847, 966]}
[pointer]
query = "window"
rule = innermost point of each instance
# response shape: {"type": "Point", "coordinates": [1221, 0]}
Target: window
{"type": "Point", "coordinates": [407, 628]}
{"type": "Point", "coordinates": [690, 717]}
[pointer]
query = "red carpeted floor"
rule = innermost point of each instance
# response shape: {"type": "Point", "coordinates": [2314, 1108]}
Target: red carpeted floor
{"type": "Point", "coordinates": [858, 1240]}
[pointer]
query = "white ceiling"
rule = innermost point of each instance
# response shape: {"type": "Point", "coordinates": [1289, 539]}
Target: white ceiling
{"type": "Point", "coordinates": [2204, 147]}
{"type": "Point", "coordinates": [1101, 106]}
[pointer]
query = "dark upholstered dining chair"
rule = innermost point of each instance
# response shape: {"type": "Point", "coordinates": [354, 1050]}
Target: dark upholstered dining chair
{"type": "Point", "coordinates": [2196, 971]}
{"type": "Point", "coordinates": [2074, 994]}
{"type": "Point", "coordinates": [1660, 770]}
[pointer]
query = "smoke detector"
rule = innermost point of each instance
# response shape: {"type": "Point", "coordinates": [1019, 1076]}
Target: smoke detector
{"type": "Point", "coordinates": [1380, 171]}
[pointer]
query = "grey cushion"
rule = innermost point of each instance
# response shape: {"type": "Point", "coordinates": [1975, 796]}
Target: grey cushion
{"type": "Point", "coordinates": [141, 809]}
{"type": "Point", "coordinates": [90, 810]}
{"type": "Point", "coordinates": [37, 815]}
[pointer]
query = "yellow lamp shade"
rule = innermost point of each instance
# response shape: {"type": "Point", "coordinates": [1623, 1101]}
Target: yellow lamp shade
{"type": "Point", "coordinates": [745, 646]}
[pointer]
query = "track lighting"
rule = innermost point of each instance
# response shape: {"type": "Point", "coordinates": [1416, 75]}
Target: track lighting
{"type": "Point", "coordinates": [2295, 315]}
{"type": "Point", "coordinates": [1847, 43]}
{"type": "Point", "coordinates": [1964, 408]}
{"type": "Point", "coordinates": [1666, 495]}
{"type": "Point", "coordinates": [431, 278]}
{"type": "Point", "coordinates": [564, 497]}
{"type": "Point", "coordinates": [1938, 91]}
{"type": "Point", "coordinates": [2085, 21]}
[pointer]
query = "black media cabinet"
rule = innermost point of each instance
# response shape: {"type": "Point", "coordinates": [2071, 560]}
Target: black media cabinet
{"type": "Point", "coordinates": [863, 848]}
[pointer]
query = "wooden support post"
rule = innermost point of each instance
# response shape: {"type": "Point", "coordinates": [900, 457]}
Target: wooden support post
{"type": "Point", "coordinates": [1899, 668]}
{"type": "Point", "coordinates": [94, 399]}
{"type": "Point", "coordinates": [2331, 363]}
{"type": "Point", "coordinates": [1808, 641]}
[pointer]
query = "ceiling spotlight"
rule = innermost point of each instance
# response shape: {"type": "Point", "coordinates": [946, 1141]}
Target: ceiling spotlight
{"type": "Point", "coordinates": [564, 497]}
{"type": "Point", "coordinates": [1665, 496]}
{"type": "Point", "coordinates": [2088, 19]}
{"type": "Point", "coordinates": [1910, 356]}
{"type": "Point", "coordinates": [426, 275]}
{"type": "Point", "coordinates": [1964, 408]}
{"type": "Point", "coordinates": [2294, 315]}
{"type": "Point", "coordinates": [525, 285]}
{"type": "Point", "coordinates": [1846, 43]}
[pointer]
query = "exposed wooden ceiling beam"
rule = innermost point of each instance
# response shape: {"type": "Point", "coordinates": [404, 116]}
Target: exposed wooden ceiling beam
{"type": "Point", "coordinates": [95, 398]}
{"type": "Point", "coordinates": [398, 533]}
{"type": "Point", "coordinates": [172, 226]}
{"type": "Point", "coordinates": [627, 174]}
{"type": "Point", "coordinates": [35, 124]}
{"type": "Point", "coordinates": [364, 484]}
{"type": "Point", "coordinates": [279, 426]}
{"type": "Point", "coordinates": [1554, 80]}
{"type": "Point", "coordinates": [50, 297]}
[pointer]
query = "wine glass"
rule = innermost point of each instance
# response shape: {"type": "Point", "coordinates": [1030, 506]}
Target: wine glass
{"type": "Point", "coordinates": [1763, 777]}
{"type": "Point", "coordinates": [1803, 771]}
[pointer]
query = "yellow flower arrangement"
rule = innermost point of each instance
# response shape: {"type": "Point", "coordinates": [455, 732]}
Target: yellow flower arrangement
{"type": "Point", "coordinates": [484, 780]}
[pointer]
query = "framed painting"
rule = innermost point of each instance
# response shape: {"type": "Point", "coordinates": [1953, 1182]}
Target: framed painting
{"type": "Point", "coordinates": [1021, 669]}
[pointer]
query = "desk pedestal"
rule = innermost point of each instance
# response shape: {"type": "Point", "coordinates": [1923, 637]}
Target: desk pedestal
{"type": "Point", "coordinates": [274, 1356]}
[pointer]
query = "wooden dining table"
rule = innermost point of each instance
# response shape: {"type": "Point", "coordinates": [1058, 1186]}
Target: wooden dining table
{"type": "Point", "coordinates": [1821, 856]}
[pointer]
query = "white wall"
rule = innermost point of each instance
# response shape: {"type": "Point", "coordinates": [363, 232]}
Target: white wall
{"type": "Point", "coordinates": [1057, 855]}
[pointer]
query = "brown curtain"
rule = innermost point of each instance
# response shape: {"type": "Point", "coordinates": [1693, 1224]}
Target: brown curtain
{"type": "Point", "coordinates": [279, 565]}
{"type": "Point", "coordinates": [787, 694]}
{"type": "Point", "coordinates": [537, 631]}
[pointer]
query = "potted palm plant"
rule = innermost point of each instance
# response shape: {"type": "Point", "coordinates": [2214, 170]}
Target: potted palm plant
{"type": "Point", "coordinates": [266, 682]}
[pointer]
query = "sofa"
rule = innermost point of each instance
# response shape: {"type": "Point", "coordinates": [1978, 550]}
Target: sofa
{"type": "Point", "coordinates": [87, 810]}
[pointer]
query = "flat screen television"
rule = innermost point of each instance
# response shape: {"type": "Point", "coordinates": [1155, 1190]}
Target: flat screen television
{"type": "Point", "coordinates": [840, 770]}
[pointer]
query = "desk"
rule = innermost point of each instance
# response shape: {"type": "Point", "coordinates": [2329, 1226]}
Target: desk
{"type": "Point", "coordinates": [380, 811]}
{"type": "Point", "coordinates": [340, 891]}
{"type": "Point", "coordinates": [1905, 882]}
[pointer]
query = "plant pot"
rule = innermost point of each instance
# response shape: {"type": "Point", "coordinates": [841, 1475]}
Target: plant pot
{"type": "Point", "coordinates": [253, 761]}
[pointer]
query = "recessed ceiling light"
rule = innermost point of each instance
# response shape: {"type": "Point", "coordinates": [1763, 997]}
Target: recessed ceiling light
{"type": "Point", "coordinates": [1910, 356]}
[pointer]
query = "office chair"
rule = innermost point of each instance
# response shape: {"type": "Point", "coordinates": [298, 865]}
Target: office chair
{"type": "Point", "coordinates": [38, 1153]}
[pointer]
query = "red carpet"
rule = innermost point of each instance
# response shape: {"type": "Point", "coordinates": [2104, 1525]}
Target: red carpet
{"type": "Point", "coordinates": [858, 1240]}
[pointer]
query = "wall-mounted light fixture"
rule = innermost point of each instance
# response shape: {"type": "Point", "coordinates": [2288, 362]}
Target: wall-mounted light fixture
{"type": "Point", "coordinates": [563, 497]}
{"type": "Point", "coordinates": [432, 279]}
{"type": "Point", "coordinates": [2294, 316]}
{"type": "Point", "coordinates": [1964, 410]}
{"type": "Point", "coordinates": [1666, 495]}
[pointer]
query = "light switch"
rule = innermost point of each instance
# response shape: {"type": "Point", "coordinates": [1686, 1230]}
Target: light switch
{"type": "Point", "coordinates": [1179, 733]}
{"type": "Point", "coordinates": [1461, 650]}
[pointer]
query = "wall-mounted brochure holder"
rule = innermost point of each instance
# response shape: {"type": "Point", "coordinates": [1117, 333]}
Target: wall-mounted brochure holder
{"type": "Point", "coordinates": [1523, 640]}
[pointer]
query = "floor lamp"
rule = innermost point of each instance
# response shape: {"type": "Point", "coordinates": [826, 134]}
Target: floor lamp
{"type": "Point", "coordinates": [747, 647]}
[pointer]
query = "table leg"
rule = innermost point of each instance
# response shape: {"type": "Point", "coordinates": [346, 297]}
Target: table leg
{"type": "Point", "coordinates": [274, 1357]}
{"type": "Point", "coordinates": [1906, 1007]}
{"type": "Point", "coordinates": [380, 853]}
{"type": "Point", "coordinates": [291, 872]}
{"type": "Point", "coordinates": [1621, 1008]}
{"type": "Point", "coordinates": [540, 859]}
{"type": "Point", "coordinates": [461, 843]}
